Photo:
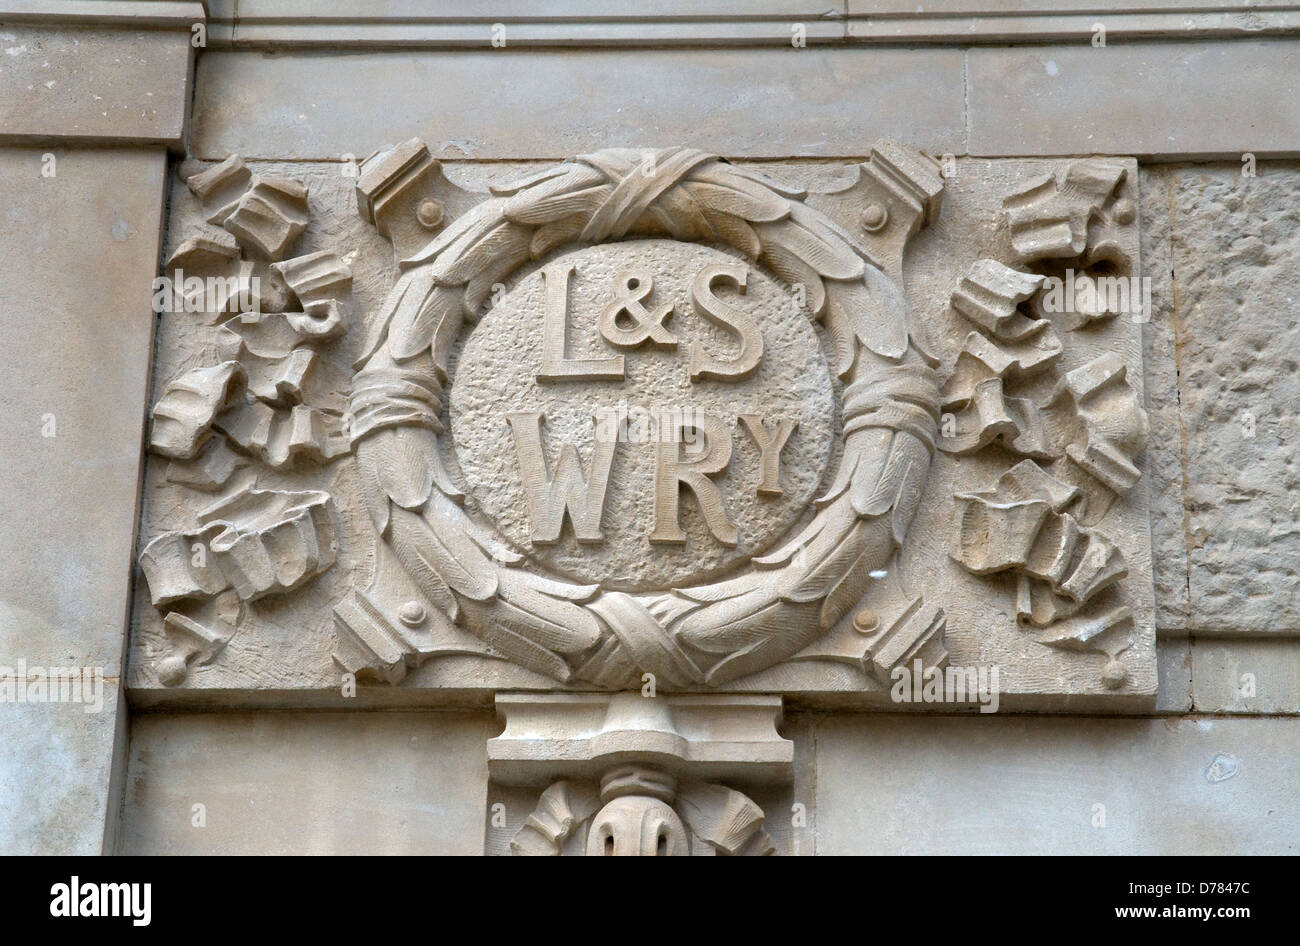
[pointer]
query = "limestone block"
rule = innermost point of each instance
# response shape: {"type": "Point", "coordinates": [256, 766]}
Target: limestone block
{"type": "Point", "coordinates": [60, 781]}
{"type": "Point", "coordinates": [1003, 22]}
{"type": "Point", "coordinates": [1146, 99]}
{"type": "Point", "coordinates": [1246, 676]}
{"type": "Point", "coordinates": [82, 247]}
{"type": "Point", "coordinates": [1163, 460]}
{"type": "Point", "coordinates": [759, 102]}
{"type": "Point", "coordinates": [304, 783]}
{"type": "Point", "coordinates": [1236, 265]}
{"type": "Point", "coordinates": [110, 86]}
{"type": "Point", "coordinates": [1192, 785]}
{"type": "Point", "coordinates": [1175, 658]}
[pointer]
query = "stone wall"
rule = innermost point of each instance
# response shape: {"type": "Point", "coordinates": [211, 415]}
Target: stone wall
{"type": "Point", "coordinates": [104, 114]}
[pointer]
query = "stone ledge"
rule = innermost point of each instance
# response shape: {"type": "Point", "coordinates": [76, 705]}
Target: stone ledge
{"type": "Point", "coordinates": [78, 85]}
{"type": "Point", "coordinates": [559, 735]}
{"type": "Point", "coordinates": [291, 23]}
{"type": "Point", "coordinates": [134, 14]}
{"type": "Point", "coordinates": [535, 33]}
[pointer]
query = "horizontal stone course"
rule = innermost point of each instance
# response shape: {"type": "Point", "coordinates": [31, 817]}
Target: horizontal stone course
{"type": "Point", "coordinates": [302, 783]}
{"type": "Point", "coordinates": [87, 85]}
{"type": "Point", "coordinates": [1246, 676]}
{"type": "Point", "coordinates": [753, 102]}
{"type": "Point", "coordinates": [1191, 785]}
{"type": "Point", "coordinates": [1151, 100]}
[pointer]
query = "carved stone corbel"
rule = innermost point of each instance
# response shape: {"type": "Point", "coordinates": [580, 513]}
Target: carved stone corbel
{"type": "Point", "coordinates": [627, 774]}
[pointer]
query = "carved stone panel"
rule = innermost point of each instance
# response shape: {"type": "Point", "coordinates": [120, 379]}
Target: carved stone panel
{"type": "Point", "coordinates": [859, 433]}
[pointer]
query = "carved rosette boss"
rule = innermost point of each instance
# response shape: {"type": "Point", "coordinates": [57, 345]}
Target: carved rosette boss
{"type": "Point", "coordinates": [647, 277]}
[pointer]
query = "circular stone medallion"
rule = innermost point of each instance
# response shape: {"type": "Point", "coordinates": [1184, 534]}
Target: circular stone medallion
{"type": "Point", "coordinates": [496, 381]}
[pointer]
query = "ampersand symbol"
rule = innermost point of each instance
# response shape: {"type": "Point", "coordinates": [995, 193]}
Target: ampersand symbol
{"type": "Point", "coordinates": [627, 323]}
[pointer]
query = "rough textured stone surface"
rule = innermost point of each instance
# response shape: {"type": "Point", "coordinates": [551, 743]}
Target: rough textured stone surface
{"type": "Point", "coordinates": [301, 783]}
{"type": "Point", "coordinates": [1032, 786]}
{"type": "Point", "coordinates": [1144, 99]}
{"type": "Point", "coordinates": [82, 84]}
{"type": "Point", "coordinates": [496, 374]}
{"type": "Point", "coordinates": [72, 399]}
{"type": "Point", "coordinates": [1236, 263]}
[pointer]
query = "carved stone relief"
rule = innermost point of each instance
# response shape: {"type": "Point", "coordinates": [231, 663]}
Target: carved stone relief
{"type": "Point", "coordinates": [649, 415]}
{"type": "Point", "coordinates": [622, 775]}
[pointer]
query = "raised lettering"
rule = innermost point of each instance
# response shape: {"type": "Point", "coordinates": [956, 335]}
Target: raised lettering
{"type": "Point", "coordinates": [568, 490]}
{"type": "Point", "coordinates": [556, 365]}
{"type": "Point", "coordinates": [627, 323]}
{"type": "Point", "coordinates": [770, 442]}
{"type": "Point", "coordinates": [721, 312]}
{"type": "Point", "coordinates": [673, 470]}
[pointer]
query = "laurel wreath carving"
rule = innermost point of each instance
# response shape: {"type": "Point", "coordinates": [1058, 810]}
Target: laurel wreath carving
{"type": "Point", "coordinates": [705, 634]}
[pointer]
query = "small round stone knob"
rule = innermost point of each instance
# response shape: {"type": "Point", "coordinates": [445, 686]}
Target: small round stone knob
{"type": "Point", "coordinates": [172, 670]}
{"type": "Point", "coordinates": [1114, 675]}
{"type": "Point", "coordinates": [430, 214]}
{"type": "Point", "coordinates": [865, 621]}
{"type": "Point", "coordinates": [411, 614]}
{"type": "Point", "coordinates": [1125, 211]}
{"type": "Point", "coordinates": [874, 218]}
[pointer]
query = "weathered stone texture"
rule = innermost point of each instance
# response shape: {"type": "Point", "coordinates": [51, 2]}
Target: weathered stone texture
{"type": "Point", "coordinates": [1236, 265]}
{"type": "Point", "coordinates": [1163, 462]}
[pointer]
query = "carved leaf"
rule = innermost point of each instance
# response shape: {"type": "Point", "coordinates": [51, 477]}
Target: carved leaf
{"type": "Point", "coordinates": [795, 272]}
{"type": "Point", "coordinates": [426, 321]}
{"type": "Point", "coordinates": [537, 211]}
{"type": "Point", "coordinates": [735, 231]}
{"type": "Point", "coordinates": [827, 259]}
{"type": "Point", "coordinates": [477, 252]}
{"type": "Point", "coordinates": [741, 199]}
{"type": "Point", "coordinates": [445, 551]}
{"type": "Point", "coordinates": [548, 236]}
